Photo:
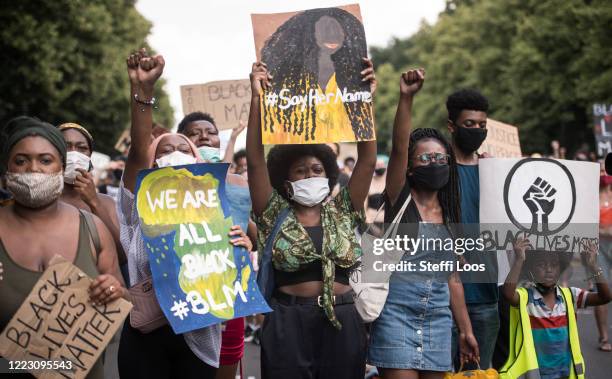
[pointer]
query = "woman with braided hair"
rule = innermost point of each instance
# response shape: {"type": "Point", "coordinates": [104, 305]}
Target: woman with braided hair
{"type": "Point", "coordinates": [412, 336]}
{"type": "Point", "coordinates": [313, 55]}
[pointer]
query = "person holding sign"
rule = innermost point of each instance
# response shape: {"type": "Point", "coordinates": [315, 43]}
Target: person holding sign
{"type": "Point", "coordinates": [416, 318]}
{"type": "Point", "coordinates": [549, 338]}
{"type": "Point", "coordinates": [160, 353]}
{"type": "Point", "coordinates": [33, 157]}
{"type": "Point", "coordinates": [315, 329]}
{"type": "Point", "coordinates": [201, 129]}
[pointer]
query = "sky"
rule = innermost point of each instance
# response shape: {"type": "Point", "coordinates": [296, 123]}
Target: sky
{"type": "Point", "coordinates": [209, 40]}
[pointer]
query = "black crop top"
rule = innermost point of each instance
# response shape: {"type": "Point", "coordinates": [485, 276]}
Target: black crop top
{"type": "Point", "coordinates": [312, 271]}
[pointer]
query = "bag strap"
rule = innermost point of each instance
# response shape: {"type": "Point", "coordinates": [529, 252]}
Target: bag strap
{"type": "Point", "coordinates": [398, 218]}
{"type": "Point", "coordinates": [279, 221]}
{"type": "Point", "coordinates": [93, 231]}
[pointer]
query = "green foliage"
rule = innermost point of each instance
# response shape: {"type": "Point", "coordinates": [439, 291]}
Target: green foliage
{"type": "Point", "coordinates": [542, 64]}
{"type": "Point", "coordinates": [64, 61]}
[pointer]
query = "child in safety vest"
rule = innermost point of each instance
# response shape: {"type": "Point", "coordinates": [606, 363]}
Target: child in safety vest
{"type": "Point", "coordinates": [544, 340]}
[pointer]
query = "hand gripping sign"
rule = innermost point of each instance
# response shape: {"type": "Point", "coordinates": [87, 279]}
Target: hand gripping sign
{"type": "Point", "coordinates": [200, 279]}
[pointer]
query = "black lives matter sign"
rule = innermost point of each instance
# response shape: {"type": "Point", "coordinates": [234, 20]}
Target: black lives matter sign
{"type": "Point", "coordinates": [57, 323]}
{"type": "Point", "coordinates": [228, 101]}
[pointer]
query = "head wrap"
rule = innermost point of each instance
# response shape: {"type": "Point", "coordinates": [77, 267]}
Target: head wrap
{"type": "Point", "coordinates": [156, 141]}
{"type": "Point", "coordinates": [82, 130]}
{"type": "Point", "coordinates": [21, 127]}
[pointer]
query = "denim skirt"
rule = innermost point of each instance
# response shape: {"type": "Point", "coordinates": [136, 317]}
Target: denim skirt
{"type": "Point", "coordinates": [412, 332]}
{"type": "Point", "coordinates": [414, 329]}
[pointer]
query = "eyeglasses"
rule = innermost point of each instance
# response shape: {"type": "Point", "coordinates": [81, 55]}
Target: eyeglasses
{"type": "Point", "coordinates": [433, 157]}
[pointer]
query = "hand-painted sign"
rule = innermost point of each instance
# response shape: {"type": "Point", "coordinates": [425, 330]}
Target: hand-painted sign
{"type": "Point", "coordinates": [315, 58]}
{"type": "Point", "coordinates": [57, 332]}
{"type": "Point", "coordinates": [227, 101]}
{"type": "Point", "coordinates": [553, 203]}
{"type": "Point", "coordinates": [200, 279]}
{"type": "Point", "coordinates": [602, 126]}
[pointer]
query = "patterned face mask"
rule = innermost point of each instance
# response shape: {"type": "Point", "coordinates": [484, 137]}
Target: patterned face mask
{"type": "Point", "coordinates": [34, 189]}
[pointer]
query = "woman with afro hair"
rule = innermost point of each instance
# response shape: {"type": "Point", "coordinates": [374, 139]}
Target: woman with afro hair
{"type": "Point", "coordinates": [314, 329]}
{"type": "Point", "coordinates": [314, 53]}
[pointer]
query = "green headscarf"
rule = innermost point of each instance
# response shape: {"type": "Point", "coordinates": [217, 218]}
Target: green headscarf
{"type": "Point", "coordinates": [23, 126]}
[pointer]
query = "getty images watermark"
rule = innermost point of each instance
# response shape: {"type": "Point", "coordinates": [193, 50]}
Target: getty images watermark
{"type": "Point", "coordinates": [479, 252]}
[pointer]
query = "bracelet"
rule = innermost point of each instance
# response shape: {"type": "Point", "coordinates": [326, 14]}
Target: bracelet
{"type": "Point", "coordinates": [595, 275]}
{"type": "Point", "coordinates": [144, 102]}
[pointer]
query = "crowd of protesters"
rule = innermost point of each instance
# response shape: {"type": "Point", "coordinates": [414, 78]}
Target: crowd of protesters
{"type": "Point", "coordinates": [304, 197]}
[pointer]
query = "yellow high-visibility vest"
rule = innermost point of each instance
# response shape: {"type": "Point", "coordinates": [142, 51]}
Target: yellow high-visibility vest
{"type": "Point", "coordinates": [522, 360]}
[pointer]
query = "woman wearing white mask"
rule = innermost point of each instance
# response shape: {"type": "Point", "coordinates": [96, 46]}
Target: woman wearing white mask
{"type": "Point", "coordinates": [160, 353]}
{"type": "Point", "coordinates": [38, 226]}
{"type": "Point", "coordinates": [315, 330]}
{"type": "Point", "coordinates": [79, 187]}
{"type": "Point", "coordinates": [201, 129]}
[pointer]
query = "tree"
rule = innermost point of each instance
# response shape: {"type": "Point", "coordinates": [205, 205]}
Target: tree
{"type": "Point", "coordinates": [64, 61]}
{"type": "Point", "coordinates": [542, 64]}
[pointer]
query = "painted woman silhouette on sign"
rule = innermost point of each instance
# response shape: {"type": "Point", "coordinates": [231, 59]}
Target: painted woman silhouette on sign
{"type": "Point", "coordinates": [316, 58]}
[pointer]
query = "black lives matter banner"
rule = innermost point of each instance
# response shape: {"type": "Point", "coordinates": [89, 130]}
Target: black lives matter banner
{"type": "Point", "coordinates": [57, 333]}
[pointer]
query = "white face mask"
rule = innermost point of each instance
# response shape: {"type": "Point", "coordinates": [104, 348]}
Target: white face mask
{"type": "Point", "coordinates": [34, 189]}
{"type": "Point", "coordinates": [75, 160]}
{"type": "Point", "coordinates": [310, 192]}
{"type": "Point", "coordinates": [210, 154]}
{"type": "Point", "coordinates": [175, 158]}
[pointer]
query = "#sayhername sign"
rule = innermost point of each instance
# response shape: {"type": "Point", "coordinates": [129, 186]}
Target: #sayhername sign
{"type": "Point", "coordinates": [552, 202]}
{"type": "Point", "coordinates": [315, 58]}
{"type": "Point", "coordinates": [502, 140]}
{"type": "Point", "coordinates": [228, 101]}
{"type": "Point", "coordinates": [57, 324]}
{"type": "Point", "coordinates": [200, 279]}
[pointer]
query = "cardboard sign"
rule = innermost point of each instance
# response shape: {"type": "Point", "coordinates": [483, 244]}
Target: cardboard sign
{"type": "Point", "coordinates": [602, 127]}
{"type": "Point", "coordinates": [553, 203]}
{"type": "Point", "coordinates": [123, 143]}
{"type": "Point", "coordinates": [56, 323]}
{"type": "Point", "coordinates": [502, 140]}
{"type": "Point", "coordinates": [227, 101]}
{"type": "Point", "coordinates": [200, 279]}
{"type": "Point", "coordinates": [315, 58]}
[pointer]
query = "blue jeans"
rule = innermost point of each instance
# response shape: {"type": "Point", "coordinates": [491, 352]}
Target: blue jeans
{"type": "Point", "coordinates": [485, 325]}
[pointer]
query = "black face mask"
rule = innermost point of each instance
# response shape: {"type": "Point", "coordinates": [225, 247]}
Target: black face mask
{"type": "Point", "coordinates": [431, 177]}
{"type": "Point", "coordinates": [469, 139]}
{"type": "Point", "coordinates": [380, 171]}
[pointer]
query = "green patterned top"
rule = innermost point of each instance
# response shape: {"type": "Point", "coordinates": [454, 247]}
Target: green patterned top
{"type": "Point", "coordinates": [293, 247]}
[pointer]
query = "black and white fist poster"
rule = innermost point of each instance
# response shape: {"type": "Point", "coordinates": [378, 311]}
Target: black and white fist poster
{"type": "Point", "coordinates": [554, 203]}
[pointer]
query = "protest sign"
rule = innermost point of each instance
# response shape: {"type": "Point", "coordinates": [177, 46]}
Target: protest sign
{"type": "Point", "coordinates": [315, 58]}
{"type": "Point", "coordinates": [123, 142]}
{"type": "Point", "coordinates": [602, 126]}
{"type": "Point", "coordinates": [551, 202]}
{"type": "Point", "coordinates": [200, 279]}
{"type": "Point", "coordinates": [227, 101]}
{"type": "Point", "coordinates": [56, 330]}
{"type": "Point", "coordinates": [502, 140]}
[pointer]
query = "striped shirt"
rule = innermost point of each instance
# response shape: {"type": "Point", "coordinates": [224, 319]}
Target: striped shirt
{"type": "Point", "coordinates": [205, 343]}
{"type": "Point", "coordinates": [549, 328]}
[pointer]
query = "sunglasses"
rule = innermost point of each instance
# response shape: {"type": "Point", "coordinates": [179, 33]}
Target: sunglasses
{"type": "Point", "coordinates": [433, 157]}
